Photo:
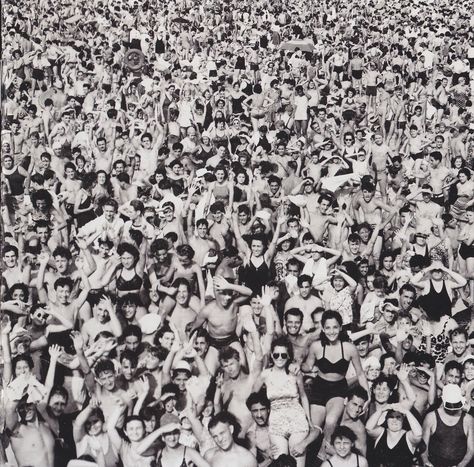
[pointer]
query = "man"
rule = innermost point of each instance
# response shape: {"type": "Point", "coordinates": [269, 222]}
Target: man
{"type": "Point", "coordinates": [233, 390]}
{"type": "Point", "coordinates": [257, 434]}
{"type": "Point", "coordinates": [221, 315]}
{"type": "Point", "coordinates": [305, 301]}
{"type": "Point", "coordinates": [293, 321]}
{"type": "Point", "coordinates": [227, 453]}
{"type": "Point", "coordinates": [448, 432]}
{"type": "Point", "coordinates": [354, 407]}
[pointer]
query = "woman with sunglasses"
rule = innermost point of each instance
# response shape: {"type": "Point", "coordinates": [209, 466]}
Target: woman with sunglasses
{"type": "Point", "coordinates": [332, 355]}
{"type": "Point", "coordinates": [394, 445]}
{"type": "Point", "coordinates": [290, 418]}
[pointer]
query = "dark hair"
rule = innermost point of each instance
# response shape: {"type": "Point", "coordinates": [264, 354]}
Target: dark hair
{"type": "Point", "coordinates": [257, 398]}
{"type": "Point", "coordinates": [304, 278]}
{"type": "Point", "coordinates": [130, 356]}
{"type": "Point", "coordinates": [228, 419]}
{"type": "Point", "coordinates": [283, 341]}
{"type": "Point", "coordinates": [103, 365]}
{"type": "Point", "coordinates": [62, 252]}
{"type": "Point", "coordinates": [130, 249]}
{"type": "Point", "coordinates": [331, 314]}
{"type": "Point", "coordinates": [358, 391]}
{"type": "Point", "coordinates": [294, 312]}
{"type": "Point", "coordinates": [453, 365]}
{"type": "Point", "coordinates": [64, 282]}
{"type": "Point", "coordinates": [343, 431]}
{"type": "Point", "coordinates": [22, 358]}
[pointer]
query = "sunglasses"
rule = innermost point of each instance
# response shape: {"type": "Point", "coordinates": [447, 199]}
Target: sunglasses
{"type": "Point", "coordinates": [277, 355]}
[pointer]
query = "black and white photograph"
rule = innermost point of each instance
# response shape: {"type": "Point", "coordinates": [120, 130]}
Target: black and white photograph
{"type": "Point", "coordinates": [237, 233]}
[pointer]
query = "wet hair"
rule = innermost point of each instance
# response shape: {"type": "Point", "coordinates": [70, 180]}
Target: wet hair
{"type": "Point", "coordinates": [228, 419]}
{"type": "Point", "coordinates": [130, 356]}
{"type": "Point", "coordinates": [104, 365]}
{"type": "Point", "coordinates": [343, 431]}
{"type": "Point", "coordinates": [294, 312]}
{"type": "Point", "coordinates": [257, 398]}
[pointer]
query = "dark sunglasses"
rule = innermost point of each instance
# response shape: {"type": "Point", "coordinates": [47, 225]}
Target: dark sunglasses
{"type": "Point", "coordinates": [283, 355]}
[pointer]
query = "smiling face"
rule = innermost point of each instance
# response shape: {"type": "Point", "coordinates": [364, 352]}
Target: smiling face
{"type": "Point", "coordinates": [382, 392]}
{"type": "Point", "coordinates": [135, 430]}
{"type": "Point", "coordinates": [222, 435]}
{"type": "Point", "coordinates": [331, 329]}
{"type": "Point", "coordinates": [280, 356]}
{"type": "Point", "coordinates": [259, 414]}
{"type": "Point", "coordinates": [343, 447]}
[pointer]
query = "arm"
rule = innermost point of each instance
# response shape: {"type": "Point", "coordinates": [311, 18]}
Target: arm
{"type": "Point", "coordinates": [469, 430]}
{"type": "Point", "coordinates": [373, 430]}
{"type": "Point", "coordinates": [428, 428]}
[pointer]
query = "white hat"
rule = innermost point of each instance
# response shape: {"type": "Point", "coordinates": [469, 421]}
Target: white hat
{"type": "Point", "coordinates": [150, 323]}
{"type": "Point", "coordinates": [452, 397]}
{"type": "Point", "coordinates": [182, 365]}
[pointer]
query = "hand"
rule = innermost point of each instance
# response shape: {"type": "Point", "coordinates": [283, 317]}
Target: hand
{"type": "Point", "coordinates": [220, 380]}
{"type": "Point", "coordinates": [43, 259]}
{"type": "Point", "coordinates": [81, 243]}
{"type": "Point", "coordinates": [142, 387]}
{"type": "Point", "coordinates": [55, 351]}
{"type": "Point", "coordinates": [6, 325]}
{"type": "Point", "coordinates": [94, 403]}
{"type": "Point", "coordinates": [294, 368]}
{"type": "Point", "coordinates": [220, 283]}
{"type": "Point", "coordinates": [298, 450]}
{"type": "Point", "coordinates": [267, 296]}
{"type": "Point", "coordinates": [108, 303]}
{"type": "Point", "coordinates": [402, 373]}
{"type": "Point", "coordinates": [77, 340]}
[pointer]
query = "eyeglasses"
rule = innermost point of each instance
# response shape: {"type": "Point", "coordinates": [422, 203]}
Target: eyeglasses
{"type": "Point", "coordinates": [277, 355]}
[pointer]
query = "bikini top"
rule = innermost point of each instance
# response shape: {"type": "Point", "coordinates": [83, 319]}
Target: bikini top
{"type": "Point", "coordinates": [124, 285]}
{"type": "Point", "coordinates": [340, 367]}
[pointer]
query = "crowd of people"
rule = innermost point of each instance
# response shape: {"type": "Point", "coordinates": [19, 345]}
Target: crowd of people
{"type": "Point", "coordinates": [237, 233]}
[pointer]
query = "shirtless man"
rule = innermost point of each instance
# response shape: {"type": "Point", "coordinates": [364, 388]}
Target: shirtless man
{"type": "Point", "coordinates": [201, 243]}
{"type": "Point", "coordinates": [301, 342]}
{"type": "Point", "coordinates": [31, 439]}
{"type": "Point", "coordinates": [438, 176]}
{"type": "Point", "coordinates": [305, 302]}
{"type": "Point", "coordinates": [227, 453]}
{"type": "Point", "coordinates": [320, 217]}
{"type": "Point", "coordinates": [354, 407]}
{"type": "Point", "coordinates": [221, 315]}
{"type": "Point", "coordinates": [380, 153]}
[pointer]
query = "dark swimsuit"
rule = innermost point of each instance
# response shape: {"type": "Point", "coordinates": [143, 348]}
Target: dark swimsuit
{"type": "Point", "coordinates": [323, 390]}
{"type": "Point", "coordinates": [398, 456]}
{"type": "Point", "coordinates": [183, 462]}
{"type": "Point", "coordinates": [124, 285]}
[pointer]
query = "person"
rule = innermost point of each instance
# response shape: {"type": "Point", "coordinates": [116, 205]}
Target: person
{"type": "Point", "coordinates": [227, 452]}
{"type": "Point", "coordinates": [448, 431]}
{"type": "Point", "coordinates": [329, 388]}
{"type": "Point", "coordinates": [343, 442]}
{"type": "Point", "coordinates": [258, 435]}
{"type": "Point", "coordinates": [394, 445]}
{"type": "Point", "coordinates": [224, 190]}
{"type": "Point", "coordinates": [287, 396]}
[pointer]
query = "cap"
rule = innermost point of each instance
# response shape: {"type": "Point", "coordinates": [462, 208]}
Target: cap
{"type": "Point", "coordinates": [169, 422]}
{"type": "Point", "coordinates": [182, 365]}
{"type": "Point", "coordinates": [452, 397]}
{"type": "Point", "coordinates": [149, 323]}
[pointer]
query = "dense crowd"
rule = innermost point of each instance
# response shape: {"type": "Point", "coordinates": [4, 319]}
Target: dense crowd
{"type": "Point", "coordinates": [237, 233]}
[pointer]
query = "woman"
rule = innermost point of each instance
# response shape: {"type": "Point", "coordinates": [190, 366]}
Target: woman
{"type": "Point", "coordinates": [439, 244]}
{"type": "Point", "coordinates": [290, 418]}
{"type": "Point", "coordinates": [257, 258]}
{"type": "Point", "coordinates": [332, 355]}
{"type": "Point", "coordinates": [437, 296]}
{"type": "Point", "coordinates": [129, 276]}
{"type": "Point", "coordinates": [256, 106]}
{"type": "Point", "coordinates": [394, 445]}
{"type": "Point", "coordinates": [464, 193]}
{"type": "Point", "coordinates": [84, 205]}
{"type": "Point", "coordinates": [338, 294]}
{"type": "Point", "coordinates": [466, 248]}
{"type": "Point", "coordinates": [90, 437]}
{"type": "Point", "coordinates": [174, 454]}
{"type": "Point", "coordinates": [343, 441]}
{"type": "Point", "coordinates": [101, 190]}
{"type": "Point", "coordinates": [222, 188]}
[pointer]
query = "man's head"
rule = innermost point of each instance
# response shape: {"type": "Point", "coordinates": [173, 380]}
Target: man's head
{"type": "Point", "coordinates": [293, 321]}
{"type": "Point", "coordinates": [259, 407]}
{"type": "Point", "coordinates": [229, 359]}
{"type": "Point", "coordinates": [222, 428]}
{"type": "Point", "coordinates": [57, 401]}
{"type": "Point", "coordinates": [105, 374]}
{"type": "Point", "coordinates": [355, 402]}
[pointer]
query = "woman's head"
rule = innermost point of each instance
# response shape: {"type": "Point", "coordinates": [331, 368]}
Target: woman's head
{"type": "Point", "coordinates": [129, 255]}
{"type": "Point", "coordinates": [331, 325]}
{"type": "Point", "coordinates": [22, 365]}
{"type": "Point", "coordinates": [95, 422]}
{"type": "Point", "coordinates": [282, 352]}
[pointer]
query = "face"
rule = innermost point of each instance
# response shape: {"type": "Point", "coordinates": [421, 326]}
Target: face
{"type": "Point", "coordinates": [293, 325]}
{"type": "Point", "coordinates": [469, 371]}
{"type": "Point", "coordinates": [257, 248]}
{"type": "Point", "coordinates": [338, 283]}
{"type": "Point", "coordinates": [135, 430]}
{"type": "Point", "coordinates": [363, 348]}
{"type": "Point", "coordinates": [128, 260]}
{"type": "Point", "coordinates": [182, 295]}
{"type": "Point", "coordinates": [57, 404]}
{"type": "Point", "coordinates": [129, 310]}
{"type": "Point", "coordinates": [109, 213]}
{"type": "Point", "coordinates": [63, 293]}
{"type": "Point", "coordinates": [388, 263]}
{"type": "Point", "coordinates": [305, 290]}
{"type": "Point", "coordinates": [22, 368]}
{"type": "Point", "coordinates": [453, 376]}
{"type": "Point", "coordinates": [171, 439]}
{"type": "Point", "coordinates": [132, 343]}
{"type": "Point", "coordinates": [222, 435]}
{"type": "Point", "coordinates": [101, 312]}
{"type": "Point", "coordinates": [382, 393]}
{"type": "Point", "coordinates": [128, 370]}
{"type": "Point", "coordinates": [166, 341]}
{"type": "Point", "coordinates": [395, 422]}
{"type": "Point", "coordinates": [10, 259]}
{"type": "Point", "coordinates": [459, 344]}
{"type": "Point", "coordinates": [231, 368]}
{"type": "Point", "coordinates": [180, 380]}
{"type": "Point", "coordinates": [259, 414]}
{"type": "Point", "coordinates": [280, 356]}
{"type": "Point", "coordinates": [201, 346]}
{"type": "Point", "coordinates": [107, 380]}
{"type": "Point", "coordinates": [343, 447]}
{"type": "Point", "coordinates": [324, 206]}
{"type": "Point", "coordinates": [355, 407]}
{"type": "Point", "coordinates": [61, 264]}
{"type": "Point", "coordinates": [331, 329]}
